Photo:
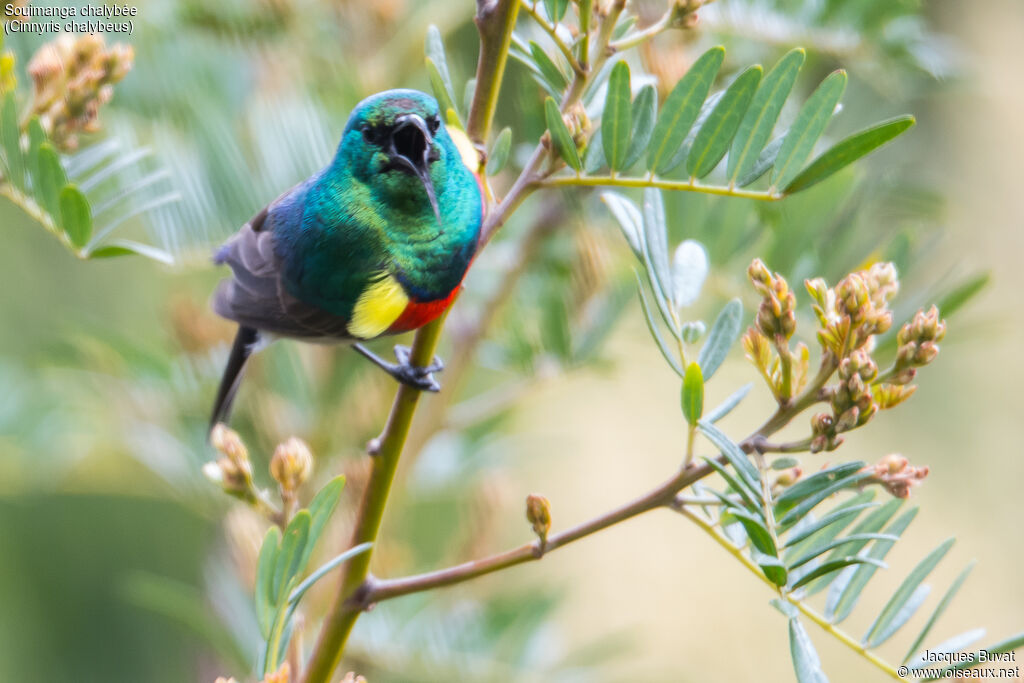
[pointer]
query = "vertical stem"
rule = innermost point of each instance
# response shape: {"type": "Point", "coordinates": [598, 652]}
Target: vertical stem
{"type": "Point", "coordinates": [495, 20]}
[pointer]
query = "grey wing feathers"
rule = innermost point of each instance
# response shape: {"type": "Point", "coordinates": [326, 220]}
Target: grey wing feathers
{"type": "Point", "coordinates": [256, 297]}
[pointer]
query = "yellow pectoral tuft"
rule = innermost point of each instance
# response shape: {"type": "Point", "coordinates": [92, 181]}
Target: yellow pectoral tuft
{"type": "Point", "coordinates": [466, 149]}
{"type": "Point", "coordinates": [378, 307]}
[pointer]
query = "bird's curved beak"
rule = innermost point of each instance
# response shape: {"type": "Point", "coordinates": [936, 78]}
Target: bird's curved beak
{"type": "Point", "coordinates": [412, 146]}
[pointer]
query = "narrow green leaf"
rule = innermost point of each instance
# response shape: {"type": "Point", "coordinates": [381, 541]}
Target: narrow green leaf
{"type": "Point", "coordinates": [693, 394]}
{"type": "Point", "coordinates": [435, 53]}
{"type": "Point", "coordinates": [628, 217]}
{"type": "Point", "coordinates": [807, 128]}
{"type": "Point", "coordinates": [556, 9]}
{"type": "Point", "coordinates": [846, 590]}
{"type": "Point", "coordinates": [437, 85]}
{"type": "Point", "coordinates": [810, 502]}
{"type": "Point", "coordinates": [833, 517]}
{"type": "Point", "coordinates": [784, 463]}
{"type": "Point", "coordinates": [749, 495]}
{"type": "Point", "coordinates": [764, 162]}
{"type": "Point", "coordinates": [716, 133]}
{"type": "Point", "coordinates": [733, 453]}
{"type": "Point", "coordinates": [871, 523]}
{"type": "Point", "coordinates": [652, 326]}
{"type": "Point", "coordinates": [655, 252]}
{"type": "Point", "coordinates": [954, 644]}
{"type": "Point", "coordinates": [757, 532]}
{"type": "Point", "coordinates": [833, 566]}
{"type": "Point", "coordinates": [939, 609]}
{"type": "Point", "coordinates": [616, 121]}
{"type": "Point", "coordinates": [806, 663]}
{"type": "Point", "coordinates": [320, 510]}
{"type": "Point", "coordinates": [560, 136]}
{"type": "Point", "coordinates": [880, 629]}
{"type": "Point", "coordinates": [127, 247]}
{"type": "Point", "coordinates": [293, 546]}
{"type": "Point", "coordinates": [726, 406]}
{"type": "Point", "coordinates": [593, 157]}
{"type": "Point", "coordinates": [547, 67]}
{"type": "Point", "coordinates": [10, 137]}
{"type": "Point", "coordinates": [75, 216]}
{"type": "Point", "coordinates": [681, 108]}
{"type": "Point", "coordinates": [724, 333]}
{"type": "Point", "coordinates": [764, 111]}
{"type": "Point", "coordinates": [904, 614]}
{"type": "Point", "coordinates": [814, 483]}
{"type": "Point", "coordinates": [848, 150]}
{"type": "Point", "coordinates": [645, 108]}
{"type": "Point", "coordinates": [498, 157]}
{"type": "Point", "coordinates": [265, 603]}
{"type": "Point", "coordinates": [325, 568]}
{"type": "Point", "coordinates": [845, 540]}
{"type": "Point", "coordinates": [772, 567]}
{"type": "Point", "coordinates": [51, 180]}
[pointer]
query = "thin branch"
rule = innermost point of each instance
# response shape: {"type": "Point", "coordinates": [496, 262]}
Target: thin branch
{"type": "Point", "coordinates": [677, 185]}
{"type": "Point", "coordinates": [805, 609]}
{"type": "Point", "coordinates": [552, 32]}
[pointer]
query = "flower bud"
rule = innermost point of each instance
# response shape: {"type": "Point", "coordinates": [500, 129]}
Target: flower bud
{"type": "Point", "coordinates": [538, 514]}
{"type": "Point", "coordinates": [282, 675]}
{"type": "Point", "coordinates": [351, 677]}
{"type": "Point", "coordinates": [788, 477]}
{"type": "Point", "coordinates": [291, 464]}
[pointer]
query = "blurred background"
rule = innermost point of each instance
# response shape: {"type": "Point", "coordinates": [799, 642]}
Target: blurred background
{"type": "Point", "coordinates": [119, 561]}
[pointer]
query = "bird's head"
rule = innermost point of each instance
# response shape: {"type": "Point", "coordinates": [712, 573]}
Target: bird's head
{"type": "Point", "coordinates": [396, 144]}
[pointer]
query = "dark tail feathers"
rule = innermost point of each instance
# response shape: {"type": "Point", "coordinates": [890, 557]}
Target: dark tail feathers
{"type": "Point", "coordinates": [245, 341]}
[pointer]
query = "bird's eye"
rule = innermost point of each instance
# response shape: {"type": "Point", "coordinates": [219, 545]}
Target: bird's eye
{"type": "Point", "coordinates": [433, 123]}
{"type": "Point", "coordinates": [369, 134]}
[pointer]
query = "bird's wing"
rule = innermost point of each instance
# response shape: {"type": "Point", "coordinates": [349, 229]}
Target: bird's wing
{"type": "Point", "coordinates": [256, 296]}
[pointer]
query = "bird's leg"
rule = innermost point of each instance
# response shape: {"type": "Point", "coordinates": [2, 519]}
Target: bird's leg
{"type": "Point", "coordinates": [404, 371]}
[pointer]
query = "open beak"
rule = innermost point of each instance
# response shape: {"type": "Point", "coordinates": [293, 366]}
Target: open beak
{"type": "Point", "coordinates": [412, 146]}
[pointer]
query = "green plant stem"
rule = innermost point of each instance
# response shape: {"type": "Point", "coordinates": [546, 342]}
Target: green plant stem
{"type": "Point", "coordinates": [676, 185]}
{"type": "Point", "coordinates": [495, 20]}
{"type": "Point", "coordinates": [553, 34]}
{"type": "Point", "coordinates": [378, 590]}
{"type": "Point", "coordinates": [645, 34]}
{"type": "Point", "coordinates": [344, 612]}
{"type": "Point", "coordinates": [804, 609]}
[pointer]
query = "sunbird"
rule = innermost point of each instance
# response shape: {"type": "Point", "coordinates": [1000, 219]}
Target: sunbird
{"type": "Point", "coordinates": [377, 243]}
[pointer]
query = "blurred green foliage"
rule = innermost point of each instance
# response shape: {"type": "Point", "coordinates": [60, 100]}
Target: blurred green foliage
{"type": "Point", "coordinates": [108, 368]}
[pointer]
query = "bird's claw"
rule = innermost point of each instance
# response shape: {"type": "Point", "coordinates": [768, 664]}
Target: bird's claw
{"type": "Point", "coordinates": [415, 376]}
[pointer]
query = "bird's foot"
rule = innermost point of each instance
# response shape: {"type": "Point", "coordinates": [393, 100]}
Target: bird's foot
{"type": "Point", "coordinates": [421, 378]}
{"type": "Point", "coordinates": [404, 371]}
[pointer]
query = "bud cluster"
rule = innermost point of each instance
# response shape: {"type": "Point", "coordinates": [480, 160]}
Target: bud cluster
{"type": "Point", "coordinates": [72, 77]}
{"type": "Point", "coordinates": [291, 464]}
{"type": "Point", "coordinates": [852, 400]}
{"type": "Point", "coordinates": [897, 475]}
{"type": "Point", "coordinates": [538, 514]}
{"type": "Point", "coordinates": [784, 368]}
{"type": "Point", "coordinates": [856, 309]}
{"type": "Point", "coordinates": [233, 470]}
{"type": "Point", "coordinates": [918, 343]}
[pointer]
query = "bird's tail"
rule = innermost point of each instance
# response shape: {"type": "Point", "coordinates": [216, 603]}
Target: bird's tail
{"type": "Point", "coordinates": [245, 343]}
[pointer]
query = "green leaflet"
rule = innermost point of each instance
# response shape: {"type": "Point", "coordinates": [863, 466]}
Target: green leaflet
{"type": "Point", "coordinates": [693, 394]}
{"type": "Point", "coordinates": [764, 111]}
{"type": "Point", "coordinates": [807, 128]}
{"type": "Point", "coordinates": [560, 136]}
{"type": "Point", "coordinates": [716, 133]}
{"type": "Point", "coordinates": [616, 121]}
{"type": "Point", "coordinates": [681, 108]}
{"type": "Point", "coordinates": [848, 150]}
{"type": "Point", "coordinates": [499, 154]}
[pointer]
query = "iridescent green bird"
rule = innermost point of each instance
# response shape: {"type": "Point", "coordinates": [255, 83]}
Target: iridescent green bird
{"type": "Point", "coordinates": [376, 243]}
